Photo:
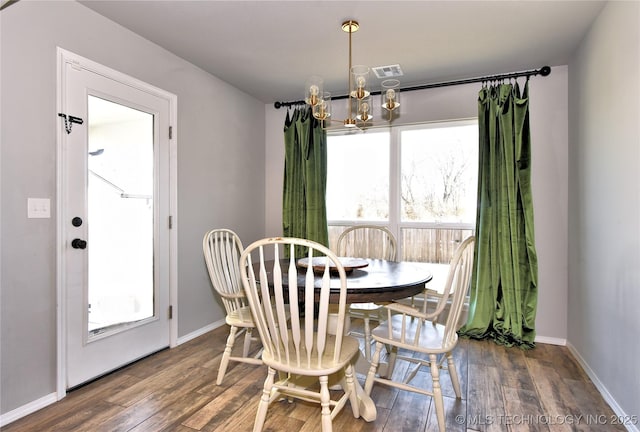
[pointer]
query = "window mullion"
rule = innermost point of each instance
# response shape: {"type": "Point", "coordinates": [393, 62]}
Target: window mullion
{"type": "Point", "coordinates": [394, 187]}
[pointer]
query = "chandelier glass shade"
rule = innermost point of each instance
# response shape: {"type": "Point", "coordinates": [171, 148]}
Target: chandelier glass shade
{"type": "Point", "coordinates": [359, 107]}
{"type": "Point", "coordinates": [322, 109]}
{"type": "Point", "coordinates": [390, 94]}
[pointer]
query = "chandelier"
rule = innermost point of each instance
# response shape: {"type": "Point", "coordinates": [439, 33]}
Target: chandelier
{"type": "Point", "coordinates": [359, 106]}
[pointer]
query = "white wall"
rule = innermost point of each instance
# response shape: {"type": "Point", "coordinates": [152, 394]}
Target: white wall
{"type": "Point", "coordinates": [218, 184]}
{"type": "Point", "coordinates": [549, 119]}
{"type": "Point", "coordinates": [604, 204]}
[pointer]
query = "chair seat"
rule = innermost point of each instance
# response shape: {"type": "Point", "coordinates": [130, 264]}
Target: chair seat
{"type": "Point", "coordinates": [240, 317]}
{"type": "Point", "coordinates": [430, 339]}
{"type": "Point", "coordinates": [350, 349]}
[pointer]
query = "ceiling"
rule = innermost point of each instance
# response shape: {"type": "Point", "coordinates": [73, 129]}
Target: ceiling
{"type": "Point", "coordinates": [269, 48]}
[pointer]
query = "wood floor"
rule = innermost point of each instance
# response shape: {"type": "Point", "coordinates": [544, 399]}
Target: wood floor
{"type": "Point", "coordinates": [504, 389]}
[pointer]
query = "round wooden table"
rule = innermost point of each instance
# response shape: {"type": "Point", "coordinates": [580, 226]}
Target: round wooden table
{"type": "Point", "coordinates": [380, 281]}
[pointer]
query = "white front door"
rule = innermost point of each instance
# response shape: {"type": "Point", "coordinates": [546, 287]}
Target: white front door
{"type": "Point", "coordinates": [115, 218]}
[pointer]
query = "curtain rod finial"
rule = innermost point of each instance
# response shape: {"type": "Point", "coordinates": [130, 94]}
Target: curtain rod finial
{"type": "Point", "coordinates": [545, 70]}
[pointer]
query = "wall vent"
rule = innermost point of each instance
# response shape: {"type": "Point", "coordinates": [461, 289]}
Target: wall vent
{"type": "Point", "coordinates": [390, 71]}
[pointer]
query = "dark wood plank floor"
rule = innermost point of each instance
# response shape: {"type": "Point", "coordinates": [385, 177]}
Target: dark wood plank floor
{"type": "Point", "coordinates": [504, 389]}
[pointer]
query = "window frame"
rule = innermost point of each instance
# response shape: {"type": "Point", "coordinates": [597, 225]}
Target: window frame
{"type": "Point", "coordinates": [394, 222]}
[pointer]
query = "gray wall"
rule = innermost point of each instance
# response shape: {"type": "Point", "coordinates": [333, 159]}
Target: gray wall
{"type": "Point", "coordinates": [549, 115]}
{"type": "Point", "coordinates": [218, 185]}
{"type": "Point", "coordinates": [604, 203]}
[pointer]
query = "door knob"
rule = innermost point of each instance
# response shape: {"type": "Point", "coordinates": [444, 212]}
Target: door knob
{"type": "Point", "coordinates": [78, 243]}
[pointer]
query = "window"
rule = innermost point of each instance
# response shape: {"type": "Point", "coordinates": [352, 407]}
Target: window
{"type": "Point", "coordinates": [420, 181]}
{"type": "Point", "coordinates": [438, 174]}
{"type": "Point", "coordinates": [358, 179]}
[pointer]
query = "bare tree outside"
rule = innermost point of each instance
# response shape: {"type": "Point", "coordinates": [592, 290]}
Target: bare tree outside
{"type": "Point", "coordinates": [438, 174]}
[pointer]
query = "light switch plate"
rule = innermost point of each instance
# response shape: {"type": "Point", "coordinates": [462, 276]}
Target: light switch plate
{"type": "Point", "coordinates": [38, 208]}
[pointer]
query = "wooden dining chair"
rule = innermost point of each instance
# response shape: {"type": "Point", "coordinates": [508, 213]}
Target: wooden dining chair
{"type": "Point", "coordinates": [222, 249]}
{"type": "Point", "coordinates": [432, 293]}
{"type": "Point", "coordinates": [366, 241]}
{"type": "Point", "coordinates": [305, 349]}
{"type": "Point", "coordinates": [409, 329]}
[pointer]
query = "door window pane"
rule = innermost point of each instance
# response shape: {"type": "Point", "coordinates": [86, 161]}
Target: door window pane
{"type": "Point", "coordinates": [358, 176]}
{"type": "Point", "coordinates": [120, 215]}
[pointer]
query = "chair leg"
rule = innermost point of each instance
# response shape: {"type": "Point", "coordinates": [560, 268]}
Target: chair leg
{"type": "Point", "coordinates": [325, 402]}
{"type": "Point", "coordinates": [367, 337]}
{"type": "Point", "coordinates": [247, 342]}
{"type": "Point", "coordinates": [393, 353]}
{"type": "Point", "coordinates": [437, 391]}
{"type": "Point", "coordinates": [453, 373]}
{"type": "Point", "coordinates": [375, 361]}
{"type": "Point", "coordinates": [263, 406]}
{"type": "Point", "coordinates": [224, 362]}
{"type": "Point", "coordinates": [351, 388]}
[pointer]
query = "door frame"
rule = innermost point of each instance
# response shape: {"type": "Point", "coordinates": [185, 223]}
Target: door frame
{"type": "Point", "coordinates": [65, 57]}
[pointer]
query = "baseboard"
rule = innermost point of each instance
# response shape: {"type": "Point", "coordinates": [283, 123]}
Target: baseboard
{"type": "Point", "coordinates": [603, 390]}
{"type": "Point", "coordinates": [551, 340]}
{"type": "Point", "coordinates": [27, 409]}
{"type": "Point", "coordinates": [200, 331]}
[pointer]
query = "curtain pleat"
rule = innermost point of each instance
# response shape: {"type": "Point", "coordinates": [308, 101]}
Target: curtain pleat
{"type": "Point", "coordinates": [304, 212]}
{"type": "Point", "coordinates": [504, 282]}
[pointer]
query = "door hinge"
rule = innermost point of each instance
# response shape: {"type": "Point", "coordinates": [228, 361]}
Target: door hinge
{"type": "Point", "coordinates": [170, 132]}
{"type": "Point", "coordinates": [171, 312]}
{"type": "Point", "coordinates": [170, 222]}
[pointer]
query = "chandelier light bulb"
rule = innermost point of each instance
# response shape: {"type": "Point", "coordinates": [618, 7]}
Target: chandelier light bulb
{"type": "Point", "coordinates": [322, 112]}
{"type": "Point", "coordinates": [361, 82]}
{"type": "Point", "coordinates": [391, 94]}
{"type": "Point", "coordinates": [313, 92]}
{"type": "Point", "coordinates": [365, 112]}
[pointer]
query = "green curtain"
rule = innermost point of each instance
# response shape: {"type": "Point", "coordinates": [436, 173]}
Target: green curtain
{"type": "Point", "coordinates": [504, 285]}
{"type": "Point", "coordinates": [304, 211]}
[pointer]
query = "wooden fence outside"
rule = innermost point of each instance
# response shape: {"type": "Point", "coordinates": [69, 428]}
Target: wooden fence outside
{"type": "Point", "coordinates": [432, 245]}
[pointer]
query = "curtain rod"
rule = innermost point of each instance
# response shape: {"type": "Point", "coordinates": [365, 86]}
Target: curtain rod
{"type": "Point", "coordinates": [543, 71]}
